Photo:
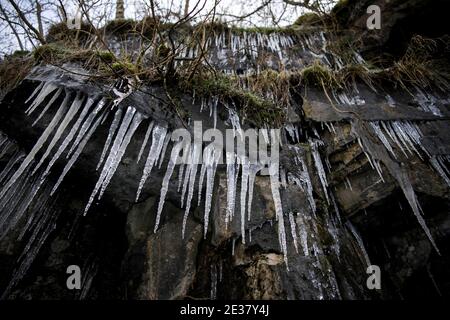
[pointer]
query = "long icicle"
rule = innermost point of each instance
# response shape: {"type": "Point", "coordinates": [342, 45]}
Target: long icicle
{"type": "Point", "coordinates": [76, 104]}
{"type": "Point", "coordinates": [86, 125]}
{"type": "Point", "coordinates": [135, 122]}
{"type": "Point", "coordinates": [165, 184]}
{"type": "Point", "coordinates": [231, 186]}
{"type": "Point", "coordinates": [144, 143]}
{"type": "Point", "coordinates": [30, 157]}
{"type": "Point", "coordinates": [77, 152]}
{"type": "Point", "coordinates": [128, 117]}
{"type": "Point", "coordinates": [158, 136]}
{"type": "Point", "coordinates": [51, 101]}
{"type": "Point", "coordinates": [193, 174]}
{"type": "Point", "coordinates": [244, 187]}
{"type": "Point", "coordinates": [112, 131]}
{"type": "Point", "coordinates": [69, 136]}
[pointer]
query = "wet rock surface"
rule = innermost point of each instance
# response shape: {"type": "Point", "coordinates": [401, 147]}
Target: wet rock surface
{"type": "Point", "coordinates": [122, 256]}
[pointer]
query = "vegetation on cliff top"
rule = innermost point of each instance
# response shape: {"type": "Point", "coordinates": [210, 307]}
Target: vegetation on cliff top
{"type": "Point", "coordinates": [419, 65]}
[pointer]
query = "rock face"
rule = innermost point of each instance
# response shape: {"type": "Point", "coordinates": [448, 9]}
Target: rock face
{"type": "Point", "coordinates": [400, 20]}
{"type": "Point", "coordinates": [363, 180]}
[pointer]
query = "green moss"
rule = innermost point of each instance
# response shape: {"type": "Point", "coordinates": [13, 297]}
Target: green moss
{"type": "Point", "coordinates": [308, 19]}
{"type": "Point", "coordinates": [124, 67]}
{"type": "Point", "coordinates": [120, 26]}
{"type": "Point", "coordinates": [318, 74]}
{"type": "Point", "coordinates": [49, 52]}
{"type": "Point", "coordinates": [252, 107]}
{"type": "Point", "coordinates": [106, 56]}
{"type": "Point", "coordinates": [60, 32]}
{"type": "Point", "coordinates": [20, 53]}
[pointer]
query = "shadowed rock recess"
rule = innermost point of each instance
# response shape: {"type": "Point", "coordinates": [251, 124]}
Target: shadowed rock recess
{"type": "Point", "coordinates": [87, 177]}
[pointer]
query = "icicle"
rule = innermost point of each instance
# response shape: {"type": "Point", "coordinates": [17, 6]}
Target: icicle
{"type": "Point", "coordinates": [293, 230]}
{"type": "Point", "coordinates": [440, 168]}
{"type": "Point", "coordinates": [77, 153]}
{"type": "Point", "coordinates": [144, 143]}
{"type": "Point", "coordinates": [407, 135]}
{"type": "Point", "coordinates": [76, 104]}
{"type": "Point", "coordinates": [69, 136]}
{"type": "Point", "coordinates": [433, 281]}
{"type": "Point", "coordinates": [235, 122]}
{"type": "Point", "coordinates": [165, 184]}
{"type": "Point", "coordinates": [319, 166]}
{"type": "Point", "coordinates": [211, 159]}
{"type": "Point", "coordinates": [86, 125]}
{"type": "Point", "coordinates": [111, 133]}
{"type": "Point", "coordinates": [46, 224]}
{"type": "Point", "coordinates": [112, 159]}
{"type": "Point", "coordinates": [399, 174]}
{"type": "Point", "coordinates": [35, 91]}
{"type": "Point", "coordinates": [244, 187]}
{"type": "Point", "coordinates": [231, 187]}
{"type": "Point", "coordinates": [274, 183]}
{"type": "Point", "coordinates": [303, 234]}
{"type": "Point", "coordinates": [304, 176]}
{"type": "Point", "coordinates": [200, 181]}
{"type": "Point", "coordinates": [15, 159]}
{"type": "Point", "coordinates": [52, 100]}
{"type": "Point", "coordinates": [427, 102]}
{"type": "Point", "coordinates": [136, 121]}
{"type": "Point", "coordinates": [158, 136]}
{"type": "Point", "coordinates": [187, 173]}
{"type": "Point", "coordinates": [30, 157]}
{"type": "Point", "coordinates": [163, 152]}
{"type": "Point", "coordinates": [290, 129]}
{"type": "Point", "coordinates": [192, 176]}
{"type": "Point", "coordinates": [347, 181]}
{"type": "Point", "coordinates": [335, 206]}
{"type": "Point", "coordinates": [382, 137]}
{"type": "Point", "coordinates": [360, 242]}
{"type": "Point", "coordinates": [180, 176]}
{"type": "Point", "coordinates": [46, 90]}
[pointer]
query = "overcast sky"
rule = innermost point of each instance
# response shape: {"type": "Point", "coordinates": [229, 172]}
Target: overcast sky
{"type": "Point", "coordinates": [277, 13]}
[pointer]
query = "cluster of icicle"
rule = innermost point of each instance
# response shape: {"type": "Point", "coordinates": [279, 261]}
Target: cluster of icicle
{"type": "Point", "coordinates": [241, 46]}
{"type": "Point", "coordinates": [24, 204]}
{"type": "Point", "coordinates": [426, 101]}
{"type": "Point", "coordinates": [251, 42]}
{"type": "Point", "coordinates": [406, 137]}
{"type": "Point", "coordinates": [304, 226]}
{"type": "Point", "coordinates": [77, 118]}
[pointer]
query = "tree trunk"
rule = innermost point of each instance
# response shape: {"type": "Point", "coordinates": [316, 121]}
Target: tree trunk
{"type": "Point", "coordinates": [186, 8]}
{"type": "Point", "coordinates": [120, 9]}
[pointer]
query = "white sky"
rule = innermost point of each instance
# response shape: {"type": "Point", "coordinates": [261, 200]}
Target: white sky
{"type": "Point", "coordinates": [136, 9]}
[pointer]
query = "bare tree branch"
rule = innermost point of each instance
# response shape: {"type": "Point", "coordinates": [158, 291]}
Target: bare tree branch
{"type": "Point", "coordinates": [11, 25]}
{"type": "Point", "coordinates": [24, 19]}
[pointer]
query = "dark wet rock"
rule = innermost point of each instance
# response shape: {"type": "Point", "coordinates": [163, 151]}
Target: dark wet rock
{"type": "Point", "coordinates": [121, 257]}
